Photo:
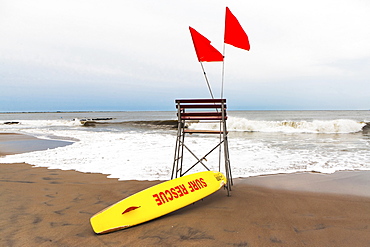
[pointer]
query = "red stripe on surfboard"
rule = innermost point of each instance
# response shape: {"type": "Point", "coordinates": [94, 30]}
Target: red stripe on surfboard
{"type": "Point", "coordinates": [130, 209]}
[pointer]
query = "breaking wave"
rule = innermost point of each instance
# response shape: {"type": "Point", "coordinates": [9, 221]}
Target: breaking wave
{"type": "Point", "coordinates": [316, 126]}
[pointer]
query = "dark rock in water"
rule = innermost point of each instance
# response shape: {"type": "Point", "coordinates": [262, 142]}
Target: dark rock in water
{"type": "Point", "coordinates": [96, 119]}
{"type": "Point", "coordinates": [89, 123]}
{"type": "Point", "coordinates": [165, 123]}
{"type": "Point", "coordinates": [11, 122]}
{"type": "Point", "coordinates": [101, 118]}
{"type": "Point", "coordinates": [366, 128]}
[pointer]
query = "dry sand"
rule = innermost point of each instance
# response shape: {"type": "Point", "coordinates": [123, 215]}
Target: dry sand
{"type": "Point", "coordinates": [51, 207]}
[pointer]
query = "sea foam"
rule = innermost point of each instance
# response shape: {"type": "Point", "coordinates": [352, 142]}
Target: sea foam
{"type": "Point", "coordinates": [316, 126]}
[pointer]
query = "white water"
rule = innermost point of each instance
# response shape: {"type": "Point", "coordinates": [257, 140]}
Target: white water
{"type": "Point", "coordinates": [257, 146]}
{"type": "Point", "coordinates": [316, 126]}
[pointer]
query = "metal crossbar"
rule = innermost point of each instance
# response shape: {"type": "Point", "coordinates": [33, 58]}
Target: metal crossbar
{"type": "Point", "coordinates": [191, 110]}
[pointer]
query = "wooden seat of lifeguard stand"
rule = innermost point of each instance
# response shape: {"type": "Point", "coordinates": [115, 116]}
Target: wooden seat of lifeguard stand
{"type": "Point", "coordinates": [201, 110]}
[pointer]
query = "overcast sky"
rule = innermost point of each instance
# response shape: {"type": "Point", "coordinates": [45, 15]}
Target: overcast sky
{"type": "Point", "coordinates": [138, 55]}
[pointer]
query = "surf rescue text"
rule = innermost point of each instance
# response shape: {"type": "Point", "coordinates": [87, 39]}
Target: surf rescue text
{"type": "Point", "coordinates": [179, 191]}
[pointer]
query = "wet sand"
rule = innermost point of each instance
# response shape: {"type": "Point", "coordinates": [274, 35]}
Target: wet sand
{"type": "Point", "coordinates": [13, 143]}
{"type": "Point", "coordinates": [51, 207]}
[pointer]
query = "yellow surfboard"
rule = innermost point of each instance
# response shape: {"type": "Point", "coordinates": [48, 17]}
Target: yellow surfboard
{"type": "Point", "coordinates": [157, 200]}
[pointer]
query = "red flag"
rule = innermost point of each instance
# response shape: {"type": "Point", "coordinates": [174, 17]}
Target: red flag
{"type": "Point", "coordinates": [205, 51]}
{"type": "Point", "coordinates": [234, 33]}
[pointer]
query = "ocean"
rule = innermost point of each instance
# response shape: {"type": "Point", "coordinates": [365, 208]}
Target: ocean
{"type": "Point", "coordinates": [141, 145]}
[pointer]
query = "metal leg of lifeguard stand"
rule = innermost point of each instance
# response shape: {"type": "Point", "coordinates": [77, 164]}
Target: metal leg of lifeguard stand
{"type": "Point", "coordinates": [179, 151]}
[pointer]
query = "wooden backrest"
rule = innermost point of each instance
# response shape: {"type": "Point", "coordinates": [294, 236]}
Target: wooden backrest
{"type": "Point", "coordinates": [191, 109]}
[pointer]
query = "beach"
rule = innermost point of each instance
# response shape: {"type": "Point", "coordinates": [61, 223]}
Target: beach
{"type": "Point", "coordinates": [52, 207]}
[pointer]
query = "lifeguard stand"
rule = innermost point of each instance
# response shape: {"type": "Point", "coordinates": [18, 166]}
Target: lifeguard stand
{"type": "Point", "coordinates": [201, 110]}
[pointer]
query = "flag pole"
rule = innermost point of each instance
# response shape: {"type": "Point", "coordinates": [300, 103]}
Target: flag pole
{"type": "Point", "coordinates": [223, 62]}
{"type": "Point", "coordinates": [223, 72]}
{"type": "Point", "coordinates": [222, 94]}
{"type": "Point", "coordinates": [205, 76]}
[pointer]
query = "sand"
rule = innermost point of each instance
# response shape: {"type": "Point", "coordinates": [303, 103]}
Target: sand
{"type": "Point", "coordinates": [51, 207]}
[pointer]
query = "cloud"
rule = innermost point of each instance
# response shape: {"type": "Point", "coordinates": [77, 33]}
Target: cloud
{"type": "Point", "coordinates": [145, 47]}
